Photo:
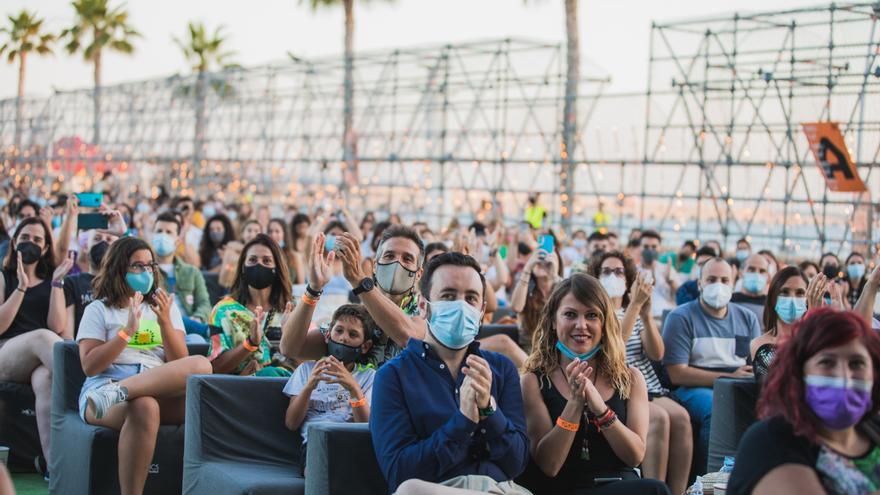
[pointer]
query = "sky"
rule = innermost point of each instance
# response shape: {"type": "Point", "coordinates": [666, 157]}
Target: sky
{"type": "Point", "coordinates": [614, 34]}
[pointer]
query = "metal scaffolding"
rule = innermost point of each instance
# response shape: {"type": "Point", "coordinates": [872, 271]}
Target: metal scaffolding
{"type": "Point", "coordinates": [712, 149]}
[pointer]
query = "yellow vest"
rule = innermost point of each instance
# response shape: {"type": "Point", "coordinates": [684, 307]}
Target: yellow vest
{"type": "Point", "coordinates": [535, 215]}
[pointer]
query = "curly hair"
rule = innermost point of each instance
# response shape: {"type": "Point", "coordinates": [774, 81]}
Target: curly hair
{"type": "Point", "coordinates": [823, 328]}
{"type": "Point", "coordinates": [630, 272]}
{"type": "Point", "coordinates": [545, 358]}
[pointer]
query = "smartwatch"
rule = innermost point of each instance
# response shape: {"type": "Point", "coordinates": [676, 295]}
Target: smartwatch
{"type": "Point", "coordinates": [366, 285]}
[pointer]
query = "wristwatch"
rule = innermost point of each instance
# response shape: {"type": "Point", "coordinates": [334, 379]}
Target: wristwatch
{"type": "Point", "coordinates": [366, 285]}
{"type": "Point", "coordinates": [59, 284]}
{"type": "Point", "coordinates": [489, 410]}
{"type": "Point", "coordinates": [312, 292]}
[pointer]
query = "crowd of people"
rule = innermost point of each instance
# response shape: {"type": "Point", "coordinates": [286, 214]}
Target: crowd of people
{"type": "Point", "coordinates": [604, 385]}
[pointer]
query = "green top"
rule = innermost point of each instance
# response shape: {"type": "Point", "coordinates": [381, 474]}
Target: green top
{"type": "Point", "coordinates": [234, 318]}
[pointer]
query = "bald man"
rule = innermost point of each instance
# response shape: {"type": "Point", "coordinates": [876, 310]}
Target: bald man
{"type": "Point", "coordinates": [705, 340]}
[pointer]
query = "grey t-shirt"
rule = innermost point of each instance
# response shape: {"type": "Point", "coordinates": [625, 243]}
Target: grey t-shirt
{"type": "Point", "coordinates": [329, 401]}
{"type": "Point", "coordinates": [695, 338]}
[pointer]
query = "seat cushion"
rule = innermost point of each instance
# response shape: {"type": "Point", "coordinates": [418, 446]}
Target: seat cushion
{"type": "Point", "coordinates": [237, 478]}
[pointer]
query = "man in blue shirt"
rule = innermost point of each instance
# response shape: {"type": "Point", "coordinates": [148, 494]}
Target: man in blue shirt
{"type": "Point", "coordinates": [444, 411]}
{"type": "Point", "coordinates": [707, 339]}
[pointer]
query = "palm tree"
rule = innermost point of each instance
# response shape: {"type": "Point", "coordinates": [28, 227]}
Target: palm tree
{"type": "Point", "coordinates": [202, 52]}
{"type": "Point", "coordinates": [569, 113]}
{"type": "Point", "coordinates": [24, 35]}
{"type": "Point", "coordinates": [349, 139]}
{"type": "Point", "coordinates": [107, 29]}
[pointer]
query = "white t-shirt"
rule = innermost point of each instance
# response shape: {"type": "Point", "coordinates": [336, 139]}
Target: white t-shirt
{"type": "Point", "coordinates": [329, 401]}
{"type": "Point", "coordinates": [101, 322]}
{"type": "Point", "coordinates": [193, 236]}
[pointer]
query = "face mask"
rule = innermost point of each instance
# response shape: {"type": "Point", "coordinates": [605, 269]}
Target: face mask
{"type": "Point", "coordinates": [649, 256]}
{"type": "Point", "coordinates": [455, 324]}
{"type": "Point", "coordinates": [394, 279]}
{"type": "Point", "coordinates": [838, 403]}
{"type": "Point", "coordinates": [258, 276]}
{"type": "Point", "coordinates": [855, 272]}
{"type": "Point", "coordinates": [233, 215]}
{"type": "Point", "coordinates": [96, 254]}
{"type": "Point", "coordinates": [329, 243]}
{"type": "Point", "coordinates": [140, 282]}
{"type": "Point", "coordinates": [717, 295]}
{"type": "Point", "coordinates": [614, 285]}
{"type": "Point", "coordinates": [56, 222]}
{"type": "Point", "coordinates": [30, 252]}
{"type": "Point", "coordinates": [754, 282]}
{"type": "Point", "coordinates": [570, 354]}
{"type": "Point", "coordinates": [281, 244]}
{"type": "Point", "coordinates": [791, 309]}
{"type": "Point", "coordinates": [163, 244]}
{"type": "Point", "coordinates": [345, 353]}
{"type": "Point", "coordinates": [209, 211]}
{"type": "Point", "coordinates": [217, 236]}
{"type": "Point", "coordinates": [742, 255]}
{"type": "Point", "coordinates": [579, 243]}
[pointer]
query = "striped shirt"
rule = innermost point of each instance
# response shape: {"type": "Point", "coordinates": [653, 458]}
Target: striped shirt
{"type": "Point", "coordinates": [635, 356]}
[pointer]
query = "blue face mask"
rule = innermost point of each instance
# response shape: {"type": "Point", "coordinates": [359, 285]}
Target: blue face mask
{"type": "Point", "coordinates": [140, 282]}
{"type": "Point", "coordinates": [455, 324]}
{"type": "Point", "coordinates": [163, 244]}
{"type": "Point", "coordinates": [791, 309]}
{"type": "Point", "coordinates": [754, 282]}
{"type": "Point", "coordinates": [570, 354]}
{"type": "Point", "coordinates": [855, 272]}
{"type": "Point", "coordinates": [56, 222]}
{"type": "Point", "coordinates": [742, 255]}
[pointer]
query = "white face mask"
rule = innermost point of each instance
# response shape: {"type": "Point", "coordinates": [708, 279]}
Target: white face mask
{"type": "Point", "coordinates": [614, 285]}
{"type": "Point", "coordinates": [717, 295]}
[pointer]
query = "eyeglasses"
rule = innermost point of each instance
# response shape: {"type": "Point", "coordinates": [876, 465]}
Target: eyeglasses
{"type": "Point", "coordinates": [613, 271]}
{"type": "Point", "coordinates": [142, 267]}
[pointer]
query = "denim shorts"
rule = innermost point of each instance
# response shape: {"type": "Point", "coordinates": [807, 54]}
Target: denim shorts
{"type": "Point", "coordinates": [114, 373]}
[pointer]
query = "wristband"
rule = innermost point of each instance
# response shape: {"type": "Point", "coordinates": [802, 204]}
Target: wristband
{"type": "Point", "coordinates": [604, 426]}
{"type": "Point", "coordinates": [567, 425]}
{"type": "Point", "coordinates": [312, 292]}
{"type": "Point", "coordinates": [58, 284]}
{"type": "Point", "coordinates": [21, 290]}
{"type": "Point", "coordinates": [124, 336]}
{"type": "Point", "coordinates": [246, 343]}
{"type": "Point", "coordinates": [309, 300]}
{"type": "Point", "coordinates": [358, 403]}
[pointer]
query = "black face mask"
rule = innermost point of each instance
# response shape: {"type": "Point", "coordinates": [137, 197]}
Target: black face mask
{"type": "Point", "coordinates": [649, 256]}
{"type": "Point", "coordinates": [258, 276]}
{"type": "Point", "coordinates": [96, 254]}
{"type": "Point", "coordinates": [345, 353]}
{"type": "Point", "coordinates": [30, 252]}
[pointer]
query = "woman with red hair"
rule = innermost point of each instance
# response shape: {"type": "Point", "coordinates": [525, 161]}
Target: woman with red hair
{"type": "Point", "coordinates": [817, 433]}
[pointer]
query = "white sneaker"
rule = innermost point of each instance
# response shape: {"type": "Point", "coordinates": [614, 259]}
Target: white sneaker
{"type": "Point", "coordinates": [105, 397]}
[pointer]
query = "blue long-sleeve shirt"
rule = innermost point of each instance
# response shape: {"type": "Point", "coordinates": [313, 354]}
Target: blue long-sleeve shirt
{"type": "Point", "coordinates": [419, 432]}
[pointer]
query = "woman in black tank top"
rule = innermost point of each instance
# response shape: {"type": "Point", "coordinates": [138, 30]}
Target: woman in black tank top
{"type": "Point", "coordinates": [586, 411]}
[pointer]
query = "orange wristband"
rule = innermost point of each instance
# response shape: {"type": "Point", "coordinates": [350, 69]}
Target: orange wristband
{"type": "Point", "coordinates": [567, 425]}
{"type": "Point", "coordinates": [307, 299]}
{"type": "Point", "coordinates": [358, 403]}
{"type": "Point", "coordinates": [247, 345]}
{"type": "Point", "coordinates": [124, 336]}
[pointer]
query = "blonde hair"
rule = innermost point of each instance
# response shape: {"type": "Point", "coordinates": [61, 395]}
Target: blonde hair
{"type": "Point", "coordinates": [545, 358]}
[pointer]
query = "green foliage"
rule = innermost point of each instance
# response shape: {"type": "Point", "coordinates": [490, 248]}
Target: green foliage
{"type": "Point", "coordinates": [203, 50]}
{"type": "Point", "coordinates": [104, 27]}
{"type": "Point", "coordinates": [24, 34]}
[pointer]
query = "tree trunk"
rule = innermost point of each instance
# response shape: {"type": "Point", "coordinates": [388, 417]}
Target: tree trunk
{"type": "Point", "coordinates": [199, 141]}
{"type": "Point", "coordinates": [349, 139]}
{"type": "Point", "coordinates": [19, 107]}
{"type": "Point", "coordinates": [96, 134]}
{"type": "Point", "coordinates": [569, 124]}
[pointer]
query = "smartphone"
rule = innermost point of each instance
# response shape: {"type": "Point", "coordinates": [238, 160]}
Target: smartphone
{"type": "Point", "coordinates": [545, 242]}
{"type": "Point", "coordinates": [503, 252]}
{"type": "Point", "coordinates": [329, 243]}
{"type": "Point", "coordinates": [831, 271]}
{"type": "Point", "coordinates": [90, 200]}
{"type": "Point", "coordinates": [87, 221]}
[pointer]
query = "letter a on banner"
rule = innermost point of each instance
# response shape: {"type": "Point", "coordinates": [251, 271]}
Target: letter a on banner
{"type": "Point", "coordinates": [833, 159]}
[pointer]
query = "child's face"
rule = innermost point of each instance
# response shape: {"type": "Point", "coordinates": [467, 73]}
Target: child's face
{"type": "Point", "coordinates": [348, 330]}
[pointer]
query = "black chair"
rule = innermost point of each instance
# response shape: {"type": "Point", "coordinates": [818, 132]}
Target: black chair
{"type": "Point", "coordinates": [511, 331]}
{"type": "Point", "coordinates": [84, 459]}
{"type": "Point", "coordinates": [18, 425]}
{"type": "Point", "coordinates": [341, 461]}
{"type": "Point", "coordinates": [236, 441]}
{"type": "Point", "coordinates": [733, 411]}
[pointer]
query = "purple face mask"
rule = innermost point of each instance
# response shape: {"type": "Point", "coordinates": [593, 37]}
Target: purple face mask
{"type": "Point", "coordinates": [839, 403]}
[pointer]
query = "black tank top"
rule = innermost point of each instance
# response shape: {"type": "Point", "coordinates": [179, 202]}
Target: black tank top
{"type": "Point", "coordinates": [590, 455]}
{"type": "Point", "coordinates": [33, 313]}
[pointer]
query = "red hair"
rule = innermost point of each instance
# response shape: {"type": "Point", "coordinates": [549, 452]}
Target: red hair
{"type": "Point", "coordinates": [822, 328]}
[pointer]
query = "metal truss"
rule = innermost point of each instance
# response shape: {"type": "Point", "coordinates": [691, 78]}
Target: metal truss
{"type": "Point", "coordinates": [712, 149]}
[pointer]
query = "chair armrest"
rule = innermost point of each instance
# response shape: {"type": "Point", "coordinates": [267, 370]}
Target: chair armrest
{"type": "Point", "coordinates": [341, 460]}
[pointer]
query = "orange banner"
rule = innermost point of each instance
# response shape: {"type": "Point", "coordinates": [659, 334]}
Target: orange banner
{"type": "Point", "coordinates": [833, 159]}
